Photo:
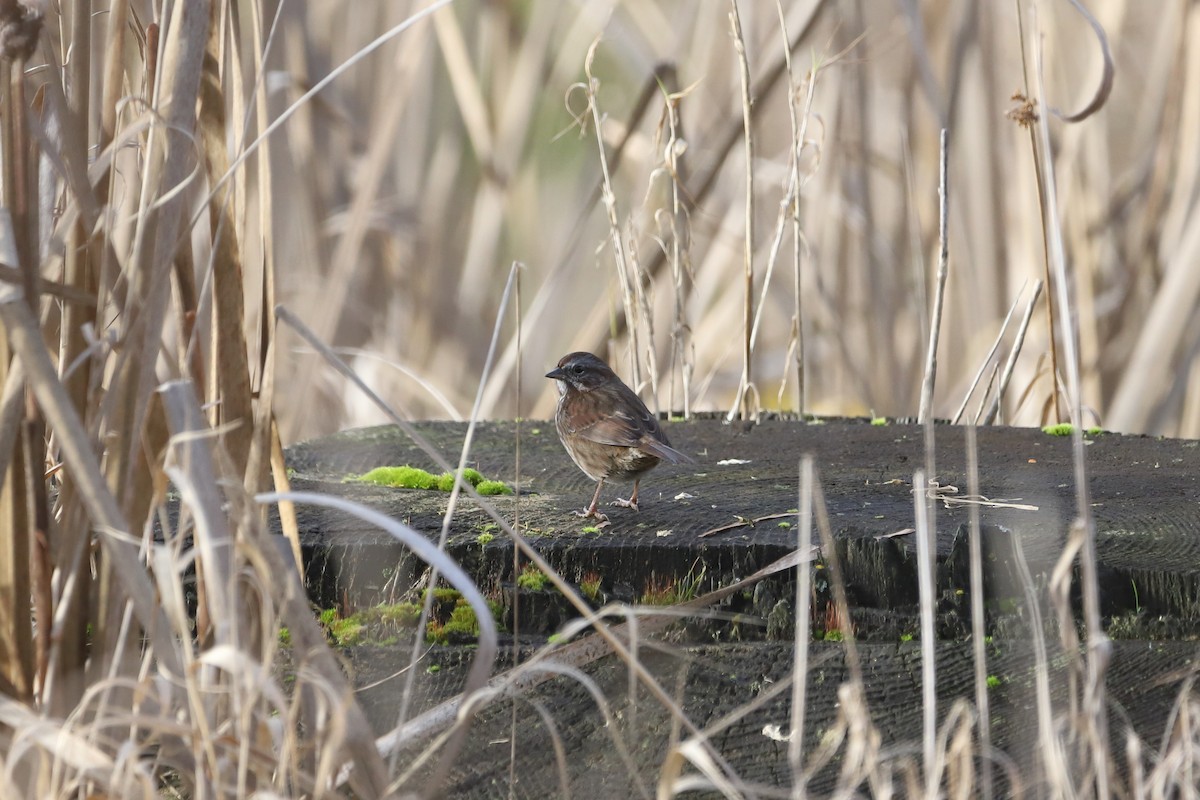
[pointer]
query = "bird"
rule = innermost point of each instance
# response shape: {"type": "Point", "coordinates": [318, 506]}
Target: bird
{"type": "Point", "coordinates": [606, 428]}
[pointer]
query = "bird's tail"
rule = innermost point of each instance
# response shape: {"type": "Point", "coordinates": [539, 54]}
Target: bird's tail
{"type": "Point", "coordinates": [666, 452]}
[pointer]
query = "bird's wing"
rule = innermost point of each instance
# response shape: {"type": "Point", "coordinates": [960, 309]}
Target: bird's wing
{"type": "Point", "coordinates": [637, 428]}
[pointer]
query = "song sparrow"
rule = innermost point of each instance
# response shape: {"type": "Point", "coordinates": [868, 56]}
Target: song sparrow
{"type": "Point", "coordinates": [606, 428]}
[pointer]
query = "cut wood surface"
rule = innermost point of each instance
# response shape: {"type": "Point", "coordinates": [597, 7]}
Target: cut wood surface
{"type": "Point", "coordinates": [1145, 497]}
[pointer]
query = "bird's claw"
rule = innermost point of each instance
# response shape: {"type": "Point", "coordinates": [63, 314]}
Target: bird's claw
{"type": "Point", "coordinates": [601, 519]}
{"type": "Point", "coordinates": [625, 504]}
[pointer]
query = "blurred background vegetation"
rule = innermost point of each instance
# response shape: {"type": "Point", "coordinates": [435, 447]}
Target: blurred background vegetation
{"type": "Point", "coordinates": [404, 190]}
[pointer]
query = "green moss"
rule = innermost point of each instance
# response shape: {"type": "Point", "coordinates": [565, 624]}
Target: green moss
{"type": "Point", "coordinates": [1061, 429]}
{"type": "Point", "coordinates": [833, 636]}
{"type": "Point", "coordinates": [879, 422]}
{"type": "Point", "coordinates": [327, 617]}
{"type": "Point", "coordinates": [1095, 430]}
{"type": "Point", "coordinates": [484, 538]}
{"type": "Point", "coordinates": [402, 477]}
{"type": "Point", "coordinates": [589, 529]}
{"type": "Point", "coordinates": [906, 637]}
{"type": "Point", "coordinates": [461, 628]}
{"type": "Point", "coordinates": [407, 477]}
{"type": "Point", "coordinates": [532, 578]}
{"type": "Point", "coordinates": [347, 632]}
{"type": "Point", "coordinates": [555, 638]}
{"type": "Point", "coordinates": [445, 481]}
{"type": "Point", "coordinates": [444, 594]}
{"type": "Point", "coordinates": [285, 636]}
{"type": "Point", "coordinates": [404, 615]}
{"type": "Point", "coordinates": [497, 610]}
{"type": "Point", "coordinates": [992, 681]}
{"type": "Point", "coordinates": [784, 524]}
{"type": "Point", "coordinates": [433, 669]}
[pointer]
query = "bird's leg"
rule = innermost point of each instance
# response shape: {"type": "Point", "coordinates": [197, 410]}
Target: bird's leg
{"type": "Point", "coordinates": [591, 510]}
{"type": "Point", "coordinates": [632, 501]}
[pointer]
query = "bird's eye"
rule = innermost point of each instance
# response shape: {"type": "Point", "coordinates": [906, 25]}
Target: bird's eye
{"type": "Point", "coordinates": [577, 369]}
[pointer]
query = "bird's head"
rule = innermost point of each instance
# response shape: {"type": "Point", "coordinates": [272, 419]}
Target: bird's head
{"type": "Point", "coordinates": [580, 371]}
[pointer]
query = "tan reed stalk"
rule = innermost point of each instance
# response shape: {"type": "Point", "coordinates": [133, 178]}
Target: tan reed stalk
{"type": "Point", "coordinates": [935, 320]}
{"type": "Point", "coordinates": [742, 407]}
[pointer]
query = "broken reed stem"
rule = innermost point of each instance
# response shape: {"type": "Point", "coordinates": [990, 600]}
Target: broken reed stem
{"type": "Point", "coordinates": [1011, 363]}
{"type": "Point", "coordinates": [978, 631]}
{"type": "Point", "coordinates": [935, 322]}
{"type": "Point", "coordinates": [988, 360]}
{"type": "Point", "coordinates": [742, 407]}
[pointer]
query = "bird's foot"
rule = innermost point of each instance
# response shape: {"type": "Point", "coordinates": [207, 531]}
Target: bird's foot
{"type": "Point", "coordinates": [594, 513]}
{"type": "Point", "coordinates": [630, 503]}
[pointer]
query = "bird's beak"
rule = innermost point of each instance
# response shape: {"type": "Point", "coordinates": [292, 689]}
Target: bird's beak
{"type": "Point", "coordinates": [557, 374]}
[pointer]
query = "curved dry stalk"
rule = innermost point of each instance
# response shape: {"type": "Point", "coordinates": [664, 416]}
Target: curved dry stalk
{"type": "Point", "coordinates": [1104, 89]}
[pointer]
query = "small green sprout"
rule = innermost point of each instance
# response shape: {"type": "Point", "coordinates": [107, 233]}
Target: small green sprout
{"type": "Point", "coordinates": [879, 422]}
{"type": "Point", "coordinates": [992, 681]}
{"type": "Point", "coordinates": [484, 538]}
{"type": "Point", "coordinates": [589, 584]}
{"type": "Point", "coordinates": [433, 669]}
{"type": "Point", "coordinates": [906, 637]}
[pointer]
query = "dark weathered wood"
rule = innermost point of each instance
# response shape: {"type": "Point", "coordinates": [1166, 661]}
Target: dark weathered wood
{"type": "Point", "coordinates": [1145, 495]}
